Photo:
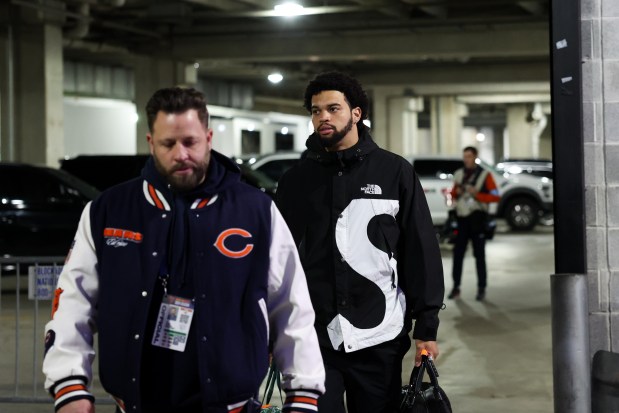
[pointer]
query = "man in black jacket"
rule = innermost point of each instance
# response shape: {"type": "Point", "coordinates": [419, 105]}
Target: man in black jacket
{"type": "Point", "coordinates": [361, 222]}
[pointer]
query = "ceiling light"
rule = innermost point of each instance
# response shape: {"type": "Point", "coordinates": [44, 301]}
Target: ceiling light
{"type": "Point", "coordinates": [288, 9]}
{"type": "Point", "coordinates": [275, 77]}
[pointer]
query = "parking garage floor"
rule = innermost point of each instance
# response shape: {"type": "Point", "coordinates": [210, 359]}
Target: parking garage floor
{"type": "Point", "coordinates": [495, 355]}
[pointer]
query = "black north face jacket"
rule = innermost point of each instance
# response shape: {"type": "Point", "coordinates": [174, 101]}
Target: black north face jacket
{"type": "Point", "coordinates": [363, 228]}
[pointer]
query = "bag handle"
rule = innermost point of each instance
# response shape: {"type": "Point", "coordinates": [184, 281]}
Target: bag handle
{"type": "Point", "coordinates": [427, 365]}
{"type": "Point", "coordinates": [272, 378]}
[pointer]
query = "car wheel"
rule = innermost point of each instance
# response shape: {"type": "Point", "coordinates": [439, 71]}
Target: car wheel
{"type": "Point", "coordinates": [522, 214]}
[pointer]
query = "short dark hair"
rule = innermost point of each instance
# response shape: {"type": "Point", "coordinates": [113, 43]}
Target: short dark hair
{"type": "Point", "coordinates": [176, 100]}
{"type": "Point", "coordinates": [349, 86]}
{"type": "Point", "coordinates": [470, 149]}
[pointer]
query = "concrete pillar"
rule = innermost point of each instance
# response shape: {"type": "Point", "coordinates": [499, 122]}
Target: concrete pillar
{"type": "Point", "coordinates": [403, 131]}
{"type": "Point", "coordinates": [38, 74]}
{"type": "Point", "coordinates": [446, 124]}
{"type": "Point", "coordinates": [152, 74]}
{"type": "Point", "coordinates": [525, 126]}
{"type": "Point", "coordinates": [380, 113]}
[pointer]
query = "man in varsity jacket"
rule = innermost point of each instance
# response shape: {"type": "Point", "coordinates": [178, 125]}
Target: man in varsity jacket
{"type": "Point", "coordinates": [188, 276]}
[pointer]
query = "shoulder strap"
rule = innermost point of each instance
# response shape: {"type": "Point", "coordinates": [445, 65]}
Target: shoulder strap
{"type": "Point", "coordinates": [476, 182]}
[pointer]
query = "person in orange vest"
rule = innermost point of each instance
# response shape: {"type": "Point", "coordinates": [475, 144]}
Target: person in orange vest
{"type": "Point", "coordinates": [474, 188]}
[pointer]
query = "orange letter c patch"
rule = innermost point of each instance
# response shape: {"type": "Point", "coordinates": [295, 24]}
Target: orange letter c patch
{"type": "Point", "coordinates": [221, 239]}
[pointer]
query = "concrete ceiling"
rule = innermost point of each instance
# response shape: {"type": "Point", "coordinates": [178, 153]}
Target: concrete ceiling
{"type": "Point", "coordinates": [422, 44]}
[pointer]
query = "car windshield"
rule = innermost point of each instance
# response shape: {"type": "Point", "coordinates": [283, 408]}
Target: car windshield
{"type": "Point", "coordinates": [257, 178]}
{"type": "Point", "coordinates": [85, 189]}
{"type": "Point", "coordinates": [436, 168]}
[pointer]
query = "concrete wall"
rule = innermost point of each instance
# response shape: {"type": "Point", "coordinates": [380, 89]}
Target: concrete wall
{"type": "Point", "coordinates": [99, 126]}
{"type": "Point", "coordinates": [600, 53]}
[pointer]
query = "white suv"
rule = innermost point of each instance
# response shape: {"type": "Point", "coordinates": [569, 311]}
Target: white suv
{"type": "Point", "coordinates": [524, 199]}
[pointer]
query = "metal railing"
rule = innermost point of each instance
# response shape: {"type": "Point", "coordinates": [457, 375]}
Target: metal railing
{"type": "Point", "coordinates": [27, 287]}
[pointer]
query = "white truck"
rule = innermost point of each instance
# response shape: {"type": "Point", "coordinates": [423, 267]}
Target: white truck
{"type": "Point", "coordinates": [524, 198]}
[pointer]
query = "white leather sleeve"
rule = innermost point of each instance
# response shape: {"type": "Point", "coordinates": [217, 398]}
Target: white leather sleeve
{"type": "Point", "coordinates": [291, 315]}
{"type": "Point", "coordinates": [69, 334]}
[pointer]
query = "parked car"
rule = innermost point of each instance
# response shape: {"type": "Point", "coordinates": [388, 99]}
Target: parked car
{"type": "Point", "coordinates": [524, 198]}
{"type": "Point", "coordinates": [104, 171]}
{"type": "Point", "coordinates": [40, 208]}
{"type": "Point", "coordinates": [259, 180]}
{"type": "Point", "coordinates": [436, 177]}
{"type": "Point", "coordinates": [531, 166]}
{"type": "Point", "coordinates": [273, 164]}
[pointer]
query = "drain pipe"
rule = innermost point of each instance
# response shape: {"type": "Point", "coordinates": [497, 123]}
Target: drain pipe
{"type": "Point", "coordinates": [10, 100]}
{"type": "Point", "coordinates": [570, 343]}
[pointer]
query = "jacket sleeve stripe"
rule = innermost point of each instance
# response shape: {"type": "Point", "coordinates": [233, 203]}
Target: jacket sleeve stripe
{"type": "Point", "coordinates": [69, 389]}
{"type": "Point", "coordinates": [305, 400]}
{"type": "Point", "coordinates": [72, 397]}
{"type": "Point", "coordinates": [301, 401]}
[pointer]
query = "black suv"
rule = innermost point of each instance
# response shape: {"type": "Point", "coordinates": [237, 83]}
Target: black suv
{"type": "Point", "coordinates": [40, 208]}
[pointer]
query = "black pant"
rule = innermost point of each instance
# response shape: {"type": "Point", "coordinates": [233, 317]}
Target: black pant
{"type": "Point", "coordinates": [469, 230]}
{"type": "Point", "coordinates": [371, 378]}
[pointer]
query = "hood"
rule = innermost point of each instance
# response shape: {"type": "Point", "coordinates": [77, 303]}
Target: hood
{"type": "Point", "coordinates": [317, 152]}
{"type": "Point", "coordinates": [220, 175]}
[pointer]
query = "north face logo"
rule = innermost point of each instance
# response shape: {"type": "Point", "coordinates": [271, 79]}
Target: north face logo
{"type": "Point", "coordinates": [372, 189]}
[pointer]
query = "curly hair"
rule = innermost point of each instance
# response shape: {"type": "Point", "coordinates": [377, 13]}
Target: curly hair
{"type": "Point", "coordinates": [176, 100]}
{"type": "Point", "coordinates": [349, 86]}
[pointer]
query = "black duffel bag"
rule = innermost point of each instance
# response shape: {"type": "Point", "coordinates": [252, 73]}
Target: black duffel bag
{"type": "Point", "coordinates": [423, 397]}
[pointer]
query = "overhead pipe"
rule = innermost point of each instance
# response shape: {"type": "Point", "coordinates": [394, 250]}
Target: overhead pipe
{"type": "Point", "coordinates": [94, 47]}
{"type": "Point", "coordinates": [82, 26]}
{"type": "Point", "coordinates": [111, 25]}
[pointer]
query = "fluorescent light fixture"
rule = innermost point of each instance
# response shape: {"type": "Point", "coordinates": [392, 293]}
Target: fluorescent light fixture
{"type": "Point", "coordinates": [288, 9]}
{"type": "Point", "coordinates": [275, 78]}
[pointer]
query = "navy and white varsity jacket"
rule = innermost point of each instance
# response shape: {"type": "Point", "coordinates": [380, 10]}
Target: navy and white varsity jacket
{"type": "Point", "coordinates": [249, 289]}
{"type": "Point", "coordinates": [367, 244]}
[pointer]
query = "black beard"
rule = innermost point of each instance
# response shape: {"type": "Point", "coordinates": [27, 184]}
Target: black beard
{"type": "Point", "coordinates": [186, 183]}
{"type": "Point", "coordinates": [337, 136]}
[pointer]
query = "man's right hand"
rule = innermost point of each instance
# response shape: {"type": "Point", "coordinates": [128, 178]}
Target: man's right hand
{"type": "Point", "coordinates": [78, 406]}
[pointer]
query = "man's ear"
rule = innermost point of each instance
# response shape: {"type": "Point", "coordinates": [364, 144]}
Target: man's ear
{"type": "Point", "coordinates": [356, 112]}
{"type": "Point", "coordinates": [149, 139]}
